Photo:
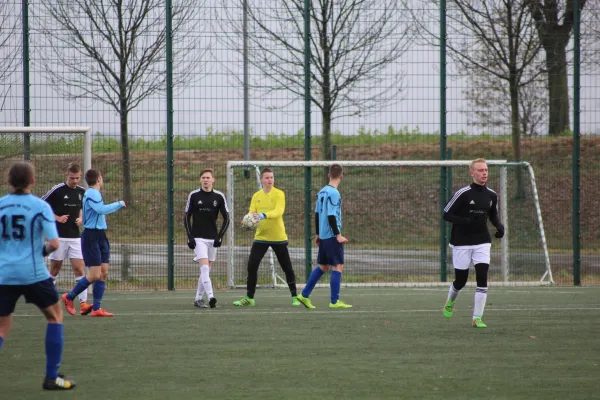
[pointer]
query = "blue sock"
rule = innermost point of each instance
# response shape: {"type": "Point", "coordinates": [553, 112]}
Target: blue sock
{"type": "Point", "coordinates": [81, 285]}
{"type": "Point", "coordinates": [1, 341]}
{"type": "Point", "coordinates": [54, 347]}
{"type": "Point", "coordinates": [334, 284]}
{"type": "Point", "coordinates": [313, 278]}
{"type": "Point", "coordinates": [99, 287]}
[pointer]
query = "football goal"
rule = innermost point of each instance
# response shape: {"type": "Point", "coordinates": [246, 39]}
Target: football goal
{"type": "Point", "coordinates": [392, 218]}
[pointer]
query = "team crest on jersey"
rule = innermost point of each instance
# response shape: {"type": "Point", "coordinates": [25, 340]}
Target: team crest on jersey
{"type": "Point", "coordinates": [215, 203]}
{"type": "Point", "coordinates": [199, 201]}
{"type": "Point", "coordinates": [491, 203]}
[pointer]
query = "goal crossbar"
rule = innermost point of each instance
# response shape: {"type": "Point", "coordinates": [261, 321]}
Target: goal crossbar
{"type": "Point", "coordinates": [547, 277]}
{"type": "Point", "coordinates": [85, 130]}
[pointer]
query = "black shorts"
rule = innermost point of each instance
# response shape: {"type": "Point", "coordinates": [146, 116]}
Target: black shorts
{"type": "Point", "coordinates": [42, 294]}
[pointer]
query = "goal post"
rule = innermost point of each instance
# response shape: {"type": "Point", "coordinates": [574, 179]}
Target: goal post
{"type": "Point", "coordinates": [84, 130]}
{"type": "Point", "coordinates": [391, 214]}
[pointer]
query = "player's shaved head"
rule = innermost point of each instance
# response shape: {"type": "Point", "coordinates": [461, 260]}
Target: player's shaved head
{"type": "Point", "coordinates": [335, 171]}
{"type": "Point", "coordinates": [21, 175]}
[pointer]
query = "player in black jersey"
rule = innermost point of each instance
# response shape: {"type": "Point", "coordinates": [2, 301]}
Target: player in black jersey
{"type": "Point", "coordinates": [469, 210]}
{"type": "Point", "coordinates": [65, 201]}
{"type": "Point", "coordinates": [204, 206]}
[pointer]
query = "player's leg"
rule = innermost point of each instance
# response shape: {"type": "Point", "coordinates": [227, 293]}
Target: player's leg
{"type": "Point", "coordinates": [315, 275]}
{"type": "Point", "coordinates": [335, 255]}
{"type": "Point", "coordinates": [44, 296]}
{"type": "Point", "coordinates": [200, 256]}
{"type": "Point", "coordinates": [8, 299]}
{"type": "Point", "coordinates": [283, 257]}
{"type": "Point", "coordinates": [461, 259]}
{"type": "Point", "coordinates": [92, 257]}
{"type": "Point", "coordinates": [481, 259]}
{"type": "Point", "coordinates": [212, 300]}
{"type": "Point", "coordinates": [78, 266]}
{"type": "Point", "coordinates": [100, 285]}
{"type": "Point", "coordinates": [56, 258]}
{"type": "Point", "coordinates": [257, 252]}
{"type": "Point", "coordinates": [54, 268]}
{"type": "Point", "coordinates": [205, 275]}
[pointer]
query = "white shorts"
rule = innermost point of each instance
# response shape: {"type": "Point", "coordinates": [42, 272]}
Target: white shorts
{"type": "Point", "coordinates": [205, 249]}
{"type": "Point", "coordinates": [67, 248]}
{"type": "Point", "coordinates": [463, 256]}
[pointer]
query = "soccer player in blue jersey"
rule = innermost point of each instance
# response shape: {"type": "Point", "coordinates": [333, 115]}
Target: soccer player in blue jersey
{"type": "Point", "coordinates": [94, 245]}
{"type": "Point", "coordinates": [24, 222]}
{"type": "Point", "coordinates": [328, 224]}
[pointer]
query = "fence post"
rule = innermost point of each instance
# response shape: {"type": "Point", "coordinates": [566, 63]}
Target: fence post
{"type": "Point", "coordinates": [125, 262]}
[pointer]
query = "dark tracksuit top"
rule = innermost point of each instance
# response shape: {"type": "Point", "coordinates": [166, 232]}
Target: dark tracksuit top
{"type": "Point", "coordinates": [204, 208]}
{"type": "Point", "coordinates": [469, 210]}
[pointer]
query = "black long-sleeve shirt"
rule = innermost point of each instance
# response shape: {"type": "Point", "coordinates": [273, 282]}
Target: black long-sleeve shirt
{"type": "Point", "coordinates": [204, 208]}
{"type": "Point", "coordinates": [469, 210]}
{"type": "Point", "coordinates": [65, 200]}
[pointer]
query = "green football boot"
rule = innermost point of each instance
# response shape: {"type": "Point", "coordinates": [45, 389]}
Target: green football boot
{"type": "Point", "coordinates": [305, 301]}
{"type": "Point", "coordinates": [295, 301]}
{"type": "Point", "coordinates": [339, 304]}
{"type": "Point", "coordinates": [478, 323]}
{"type": "Point", "coordinates": [448, 309]}
{"type": "Point", "coordinates": [244, 302]}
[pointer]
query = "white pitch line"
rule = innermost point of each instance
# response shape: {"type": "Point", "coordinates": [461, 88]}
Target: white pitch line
{"type": "Point", "coordinates": [329, 312]}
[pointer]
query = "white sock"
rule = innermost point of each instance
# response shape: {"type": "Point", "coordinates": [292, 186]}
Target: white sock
{"type": "Point", "coordinates": [453, 293]}
{"type": "Point", "coordinates": [480, 298]}
{"type": "Point", "coordinates": [200, 290]}
{"type": "Point", "coordinates": [206, 282]}
{"type": "Point", "coordinates": [54, 279]}
{"type": "Point", "coordinates": [83, 295]}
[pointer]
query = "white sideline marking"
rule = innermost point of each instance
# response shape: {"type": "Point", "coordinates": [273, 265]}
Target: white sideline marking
{"type": "Point", "coordinates": [336, 312]}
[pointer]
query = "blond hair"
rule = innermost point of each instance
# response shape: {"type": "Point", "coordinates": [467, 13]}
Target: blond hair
{"type": "Point", "coordinates": [477, 161]}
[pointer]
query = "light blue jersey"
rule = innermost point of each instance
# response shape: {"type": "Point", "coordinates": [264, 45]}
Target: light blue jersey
{"type": "Point", "coordinates": [94, 209]}
{"type": "Point", "coordinates": [329, 202]}
{"type": "Point", "coordinates": [24, 222]}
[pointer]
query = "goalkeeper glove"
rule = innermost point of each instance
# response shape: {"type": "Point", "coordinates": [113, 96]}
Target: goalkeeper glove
{"type": "Point", "coordinates": [192, 243]}
{"type": "Point", "coordinates": [261, 216]}
{"type": "Point", "coordinates": [217, 242]}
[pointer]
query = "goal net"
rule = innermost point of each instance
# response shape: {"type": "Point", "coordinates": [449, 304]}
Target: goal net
{"type": "Point", "coordinates": [50, 149]}
{"type": "Point", "coordinates": [391, 216]}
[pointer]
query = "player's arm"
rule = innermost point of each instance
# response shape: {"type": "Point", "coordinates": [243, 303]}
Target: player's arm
{"type": "Point", "coordinates": [50, 198]}
{"type": "Point", "coordinates": [97, 204]}
{"type": "Point", "coordinates": [494, 219]}
{"type": "Point", "coordinates": [187, 222]}
{"type": "Point", "coordinates": [452, 207]}
{"type": "Point", "coordinates": [253, 205]}
{"type": "Point", "coordinates": [50, 232]}
{"type": "Point", "coordinates": [279, 208]}
{"type": "Point", "coordinates": [225, 214]}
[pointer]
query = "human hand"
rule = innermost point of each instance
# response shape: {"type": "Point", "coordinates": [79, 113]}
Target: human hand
{"type": "Point", "coordinates": [123, 203]}
{"type": "Point", "coordinates": [500, 232]}
{"type": "Point", "coordinates": [61, 218]}
{"type": "Point", "coordinates": [260, 216]}
{"type": "Point", "coordinates": [79, 221]}
{"type": "Point", "coordinates": [341, 239]}
{"type": "Point", "coordinates": [317, 240]}
{"type": "Point", "coordinates": [217, 243]}
{"type": "Point", "coordinates": [191, 243]}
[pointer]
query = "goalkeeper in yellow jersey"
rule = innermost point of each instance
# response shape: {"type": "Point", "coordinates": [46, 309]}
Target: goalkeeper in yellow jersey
{"type": "Point", "coordinates": [268, 205]}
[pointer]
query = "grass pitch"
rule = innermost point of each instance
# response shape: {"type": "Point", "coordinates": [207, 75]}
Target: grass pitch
{"type": "Point", "coordinates": [540, 343]}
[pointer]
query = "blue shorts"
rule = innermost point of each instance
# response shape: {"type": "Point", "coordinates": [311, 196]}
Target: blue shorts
{"type": "Point", "coordinates": [330, 252]}
{"type": "Point", "coordinates": [42, 294]}
{"type": "Point", "coordinates": [95, 247]}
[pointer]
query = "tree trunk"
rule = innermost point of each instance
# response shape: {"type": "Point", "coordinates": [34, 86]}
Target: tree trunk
{"type": "Point", "coordinates": [125, 154]}
{"type": "Point", "coordinates": [515, 131]}
{"type": "Point", "coordinates": [558, 89]}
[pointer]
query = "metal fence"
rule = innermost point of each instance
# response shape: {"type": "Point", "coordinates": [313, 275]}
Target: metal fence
{"type": "Point", "coordinates": [171, 87]}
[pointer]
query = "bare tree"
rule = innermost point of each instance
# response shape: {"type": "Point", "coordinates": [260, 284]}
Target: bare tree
{"type": "Point", "coordinates": [489, 104]}
{"type": "Point", "coordinates": [9, 51]}
{"type": "Point", "coordinates": [114, 52]}
{"type": "Point", "coordinates": [353, 44]}
{"type": "Point", "coordinates": [554, 24]}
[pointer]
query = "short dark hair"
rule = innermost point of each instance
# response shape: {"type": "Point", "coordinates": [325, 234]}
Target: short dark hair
{"type": "Point", "coordinates": [91, 176]}
{"type": "Point", "coordinates": [335, 171]}
{"type": "Point", "coordinates": [265, 170]}
{"type": "Point", "coordinates": [73, 168]}
{"type": "Point", "coordinates": [21, 175]}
